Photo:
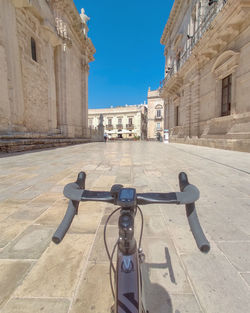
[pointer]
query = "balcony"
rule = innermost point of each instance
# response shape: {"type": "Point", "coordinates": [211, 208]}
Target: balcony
{"type": "Point", "coordinates": [158, 118]}
{"type": "Point", "coordinates": [109, 127]}
{"type": "Point", "coordinates": [207, 17]}
{"type": "Point", "coordinates": [158, 129]}
{"type": "Point", "coordinates": [130, 126]}
{"type": "Point", "coordinates": [119, 126]}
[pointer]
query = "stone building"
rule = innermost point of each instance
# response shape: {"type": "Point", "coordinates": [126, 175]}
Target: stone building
{"type": "Point", "coordinates": [44, 57]}
{"type": "Point", "coordinates": [125, 122]}
{"type": "Point", "coordinates": [207, 82]}
{"type": "Point", "coordinates": [156, 115]}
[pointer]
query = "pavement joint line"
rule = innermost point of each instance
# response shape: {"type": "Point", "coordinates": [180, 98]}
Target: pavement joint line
{"type": "Point", "coordinates": [33, 297]}
{"type": "Point", "coordinates": [17, 260]}
{"type": "Point", "coordinates": [204, 158]}
{"type": "Point", "coordinates": [231, 241]}
{"type": "Point", "coordinates": [183, 266]}
{"type": "Point", "coordinates": [238, 273]}
{"type": "Point", "coordinates": [84, 268]}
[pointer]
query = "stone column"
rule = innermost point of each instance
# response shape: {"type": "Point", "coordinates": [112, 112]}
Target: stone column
{"type": "Point", "coordinates": [195, 105]}
{"type": "Point", "coordinates": [5, 117]}
{"type": "Point", "coordinates": [85, 73]}
{"type": "Point", "coordinates": [188, 90]}
{"type": "Point", "coordinates": [14, 74]}
{"type": "Point", "coordinates": [60, 79]}
{"type": "Point", "coordinates": [52, 105]}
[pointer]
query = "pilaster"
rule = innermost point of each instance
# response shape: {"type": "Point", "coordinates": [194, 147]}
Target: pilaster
{"type": "Point", "coordinates": [15, 88]}
{"type": "Point", "coordinates": [195, 105]}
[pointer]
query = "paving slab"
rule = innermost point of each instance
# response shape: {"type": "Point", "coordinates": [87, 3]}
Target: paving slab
{"type": "Point", "coordinates": [56, 272]}
{"type": "Point", "coordinates": [159, 299]}
{"type": "Point", "coordinates": [37, 305]}
{"type": "Point", "coordinates": [10, 229]}
{"type": "Point", "coordinates": [246, 277]}
{"type": "Point", "coordinates": [64, 278]}
{"type": "Point", "coordinates": [29, 245]}
{"type": "Point", "coordinates": [218, 286]}
{"type": "Point", "coordinates": [163, 266]}
{"type": "Point", "coordinates": [87, 220]}
{"type": "Point", "coordinates": [11, 275]}
{"type": "Point", "coordinates": [9, 207]}
{"type": "Point", "coordinates": [237, 253]}
{"type": "Point", "coordinates": [94, 293]}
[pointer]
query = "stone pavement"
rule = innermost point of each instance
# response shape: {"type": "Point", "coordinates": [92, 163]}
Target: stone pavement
{"type": "Point", "coordinates": [38, 276]}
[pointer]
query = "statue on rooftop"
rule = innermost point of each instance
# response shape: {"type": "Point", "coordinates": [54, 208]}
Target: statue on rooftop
{"type": "Point", "coordinates": [84, 17]}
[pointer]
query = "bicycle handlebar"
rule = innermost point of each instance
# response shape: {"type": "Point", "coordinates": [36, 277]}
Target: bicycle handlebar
{"type": "Point", "coordinates": [76, 192]}
{"type": "Point", "coordinates": [200, 238]}
{"type": "Point", "coordinates": [189, 194]}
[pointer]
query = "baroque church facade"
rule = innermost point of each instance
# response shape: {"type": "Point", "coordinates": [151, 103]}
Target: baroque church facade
{"type": "Point", "coordinates": [44, 63]}
{"type": "Point", "coordinates": [206, 89]}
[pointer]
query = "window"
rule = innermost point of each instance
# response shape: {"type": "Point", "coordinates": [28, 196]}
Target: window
{"type": "Point", "coordinates": [130, 121]}
{"type": "Point", "coordinates": [178, 61]}
{"type": "Point", "coordinates": [119, 121]}
{"type": "Point", "coordinates": [177, 116]}
{"type": "Point", "coordinates": [33, 49]}
{"type": "Point", "coordinates": [226, 96]}
{"type": "Point", "coordinates": [158, 113]}
{"type": "Point", "coordinates": [110, 121]}
{"type": "Point", "coordinates": [158, 126]}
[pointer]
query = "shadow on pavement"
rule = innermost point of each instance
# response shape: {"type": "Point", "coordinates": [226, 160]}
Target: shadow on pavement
{"type": "Point", "coordinates": [157, 299]}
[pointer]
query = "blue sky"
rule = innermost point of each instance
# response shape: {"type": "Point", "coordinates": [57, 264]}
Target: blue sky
{"type": "Point", "coordinates": [129, 57]}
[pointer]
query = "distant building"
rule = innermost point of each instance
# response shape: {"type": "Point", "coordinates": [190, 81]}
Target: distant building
{"type": "Point", "coordinates": [125, 122]}
{"type": "Point", "coordinates": [206, 88]}
{"type": "Point", "coordinates": [156, 115]}
{"type": "Point", "coordinates": [44, 57]}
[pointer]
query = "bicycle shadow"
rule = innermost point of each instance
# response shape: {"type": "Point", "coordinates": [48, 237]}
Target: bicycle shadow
{"type": "Point", "coordinates": [156, 297]}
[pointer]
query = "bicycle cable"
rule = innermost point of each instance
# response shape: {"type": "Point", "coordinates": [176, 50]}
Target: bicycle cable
{"type": "Point", "coordinates": [110, 268]}
{"type": "Point", "coordinates": [142, 222]}
{"type": "Point", "coordinates": [110, 257]}
{"type": "Point", "coordinates": [105, 242]}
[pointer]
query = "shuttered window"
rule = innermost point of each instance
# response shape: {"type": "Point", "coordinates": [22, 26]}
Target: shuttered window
{"type": "Point", "coordinates": [226, 96]}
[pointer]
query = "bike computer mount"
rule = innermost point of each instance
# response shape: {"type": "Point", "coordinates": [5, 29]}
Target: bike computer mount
{"type": "Point", "coordinates": [126, 197]}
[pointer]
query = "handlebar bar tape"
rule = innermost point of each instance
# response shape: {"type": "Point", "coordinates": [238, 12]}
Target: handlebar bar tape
{"type": "Point", "coordinates": [193, 220]}
{"type": "Point", "coordinates": [200, 238]}
{"type": "Point", "coordinates": [66, 222]}
{"type": "Point", "coordinates": [81, 180]}
{"type": "Point", "coordinates": [189, 194]}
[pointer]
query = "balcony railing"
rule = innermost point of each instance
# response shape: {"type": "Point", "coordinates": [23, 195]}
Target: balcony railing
{"type": "Point", "coordinates": [109, 127]}
{"type": "Point", "coordinates": [208, 16]}
{"type": "Point", "coordinates": [158, 117]}
{"type": "Point", "coordinates": [130, 126]}
{"type": "Point", "coordinates": [119, 126]}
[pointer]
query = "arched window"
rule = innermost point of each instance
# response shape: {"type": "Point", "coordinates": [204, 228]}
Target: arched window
{"type": "Point", "coordinates": [33, 49]}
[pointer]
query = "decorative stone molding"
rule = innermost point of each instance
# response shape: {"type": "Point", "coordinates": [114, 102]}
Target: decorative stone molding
{"type": "Point", "coordinates": [226, 64]}
{"type": "Point", "coordinates": [21, 3]}
{"type": "Point", "coordinates": [171, 21]}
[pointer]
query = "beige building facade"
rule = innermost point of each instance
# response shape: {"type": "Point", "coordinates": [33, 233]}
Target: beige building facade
{"type": "Point", "coordinates": [206, 88]}
{"type": "Point", "coordinates": [156, 115]}
{"type": "Point", "coordinates": [44, 57]}
{"type": "Point", "coordinates": [126, 122]}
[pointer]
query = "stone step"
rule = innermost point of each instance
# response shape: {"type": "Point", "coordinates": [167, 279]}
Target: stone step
{"type": "Point", "coordinates": [24, 144]}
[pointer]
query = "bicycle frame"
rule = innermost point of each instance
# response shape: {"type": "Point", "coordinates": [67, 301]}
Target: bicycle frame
{"type": "Point", "coordinates": [128, 279]}
{"type": "Point", "coordinates": [128, 294]}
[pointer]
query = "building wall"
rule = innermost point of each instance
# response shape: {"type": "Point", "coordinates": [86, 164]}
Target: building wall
{"type": "Point", "coordinates": [195, 68]}
{"type": "Point", "coordinates": [155, 124]}
{"type": "Point", "coordinates": [137, 112]}
{"type": "Point", "coordinates": [47, 96]}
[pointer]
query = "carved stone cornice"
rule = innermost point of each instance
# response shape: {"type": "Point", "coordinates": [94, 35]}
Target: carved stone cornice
{"type": "Point", "coordinates": [69, 9]}
{"type": "Point", "coordinates": [172, 86]}
{"type": "Point", "coordinates": [171, 21]}
{"type": "Point", "coordinates": [226, 64]}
